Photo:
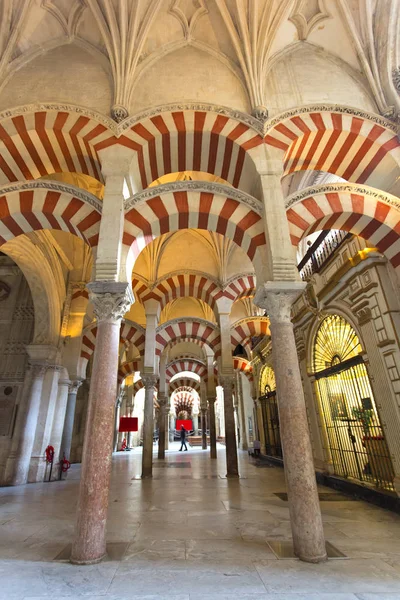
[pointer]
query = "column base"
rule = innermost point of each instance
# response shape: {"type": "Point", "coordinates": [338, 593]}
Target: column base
{"type": "Point", "coordinates": [232, 475]}
{"type": "Point", "coordinates": [91, 561]}
{"type": "Point", "coordinates": [147, 475]}
{"type": "Point", "coordinates": [313, 559]}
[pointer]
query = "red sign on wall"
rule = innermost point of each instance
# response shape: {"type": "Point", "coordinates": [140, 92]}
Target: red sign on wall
{"type": "Point", "coordinates": [128, 424]}
{"type": "Point", "coordinates": [187, 423]}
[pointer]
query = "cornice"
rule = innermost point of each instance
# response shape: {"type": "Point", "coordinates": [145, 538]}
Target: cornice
{"type": "Point", "coordinates": [337, 108]}
{"type": "Point", "coordinates": [351, 188]}
{"type": "Point", "coordinates": [194, 186]}
{"type": "Point", "coordinates": [48, 184]}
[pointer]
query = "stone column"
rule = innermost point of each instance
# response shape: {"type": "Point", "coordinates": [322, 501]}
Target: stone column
{"type": "Point", "coordinates": [305, 514]}
{"type": "Point", "coordinates": [172, 428]}
{"type": "Point", "coordinates": [66, 440]}
{"type": "Point", "coordinates": [161, 426]}
{"type": "Point", "coordinates": [213, 432]}
{"type": "Point", "coordinates": [196, 424]}
{"type": "Point", "coordinates": [230, 434]}
{"type": "Point", "coordinates": [149, 381]}
{"type": "Point", "coordinates": [203, 428]}
{"type": "Point", "coordinates": [58, 421]}
{"type": "Point", "coordinates": [116, 423]}
{"type": "Point", "coordinates": [19, 460]}
{"type": "Point", "coordinates": [111, 300]}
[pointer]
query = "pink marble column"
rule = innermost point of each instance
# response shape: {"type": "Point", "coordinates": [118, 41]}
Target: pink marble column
{"type": "Point", "coordinates": [213, 432]}
{"type": "Point", "coordinates": [19, 460]}
{"type": "Point", "coordinates": [150, 381]}
{"type": "Point", "coordinates": [110, 301]}
{"type": "Point", "coordinates": [230, 434]}
{"type": "Point", "coordinates": [305, 513]}
{"type": "Point", "coordinates": [69, 419]}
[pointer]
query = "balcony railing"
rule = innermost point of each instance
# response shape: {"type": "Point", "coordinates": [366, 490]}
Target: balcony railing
{"type": "Point", "coordinates": [321, 251]}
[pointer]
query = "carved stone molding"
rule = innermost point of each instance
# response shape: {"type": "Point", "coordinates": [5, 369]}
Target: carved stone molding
{"type": "Point", "coordinates": [188, 21]}
{"type": "Point", "coordinates": [111, 300]}
{"type": "Point", "coordinates": [261, 114]}
{"type": "Point", "coordinates": [396, 78]}
{"type": "Point", "coordinates": [194, 186]}
{"type": "Point", "coordinates": [305, 16]}
{"type": "Point", "coordinates": [119, 113]}
{"type": "Point", "coordinates": [340, 188]}
{"type": "Point", "coordinates": [364, 315]}
{"type": "Point", "coordinates": [37, 369]}
{"type": "Point", "coordinates": [345, 110]}
{"type": "Point", "coordinates": [277, 298]}
{"type": "Point", "coordinates": [47, 184]}
{"type": "Point", "coordinates": [64, 382]}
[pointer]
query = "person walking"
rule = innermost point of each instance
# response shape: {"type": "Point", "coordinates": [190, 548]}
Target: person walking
{"type": "Point", "coordinates": [183, 439]}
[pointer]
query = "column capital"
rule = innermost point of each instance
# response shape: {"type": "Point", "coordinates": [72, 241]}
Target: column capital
{"type": "Point", "coordinates": [111, 299]}
{"type": "Point", "coordinates": [65, 382]}
{"type": "Point", "coordinates": [149, 380]}
{"type": "Point", "coordinates": [37, 369]}
{"type": "Point", "coordinates": [226, 380]}
{"type": "Point", "coordinates": [211, 399]}
{"type": "Point", "coordinates": [277, 297]}
{"type": "Point", "coordinates": [74, 386]}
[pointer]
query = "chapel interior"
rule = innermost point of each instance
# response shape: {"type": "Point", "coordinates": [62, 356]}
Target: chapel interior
{"type": "Point", "coordinates": [200, 247]}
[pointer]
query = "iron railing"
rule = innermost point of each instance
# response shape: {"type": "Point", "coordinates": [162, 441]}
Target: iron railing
{"type": "Point", "coordinates": [321, 251]}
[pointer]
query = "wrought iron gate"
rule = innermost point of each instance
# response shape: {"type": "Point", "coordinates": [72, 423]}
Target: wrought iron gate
{"type": "Point", "coordinates": [355, 438]}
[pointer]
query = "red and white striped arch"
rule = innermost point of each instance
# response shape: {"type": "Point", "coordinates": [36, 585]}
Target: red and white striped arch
{"type": "Point", "coordinates": [243, 286]}
{"type": "Point", "coordinates": [194, 140]}
{"type": "Point", "coordinates": [128, 368]}
{"type": "Point", "coordinates": [191, 209]}
{"type": "Point", "coordinates": [184, 382]}
{"type": "Point", "coordinates": [37, 141]}
{"type": "Point", "coordinates": [244, 330]}
{"type": "Point", "coordinates": [189, 365]}
{"type": "Point", "coordinates": [360, 147]}
{"type": "Point", "coordinates": [363, 211]}
{"type": "Point", "coordinates": [130, 333]}
{"type": "Point", "coordinates": [26, 207]}
{"type": "Point", "coordinates": [187, 330]}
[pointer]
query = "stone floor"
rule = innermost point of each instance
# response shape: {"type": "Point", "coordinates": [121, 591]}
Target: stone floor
{"type": "Point", "coordinates": [191, 534]}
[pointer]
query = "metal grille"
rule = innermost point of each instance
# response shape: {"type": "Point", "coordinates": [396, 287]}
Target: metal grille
{"type": "Point", "coordinates": [321, 252]}
{"type": "Point", "coordinates": [355, 438]}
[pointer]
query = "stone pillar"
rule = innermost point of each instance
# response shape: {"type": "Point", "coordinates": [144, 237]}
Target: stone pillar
{"type": "Point", "coordinates": [172, 428]}
{"type": "Point", "coordinates": [111, 301]}
{"type": "Point", "coordinates": [17, 467]}
{"type": "Point", "coordinates": [203, 428]}
{"type": "Point", "coordinates": [116, 423]}
{"type": "Point", "coordinates": [196, 424]}
{"type": "Point", "coordinates": [230, 434]}
{"type": "Point", "coordinates": [213, 432]}
{"type": "Point", "coordinates": [58, 422]}
{"type": "Point", "coordinates": [149, 382]}
{"type": "Point", "coordinates": [161, 426]}
{"type": "Point", "coordinates": [305, 514]}
{"type": "Point", "coordinates": [69, 418]}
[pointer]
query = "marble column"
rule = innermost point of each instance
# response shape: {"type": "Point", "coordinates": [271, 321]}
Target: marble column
{"type": "Point", "coordinates": [110, 300]}
{"type": "Point", "coordinates": [116, 423]}
{"type": "Point", "coordinates": [230, 433]}
{"type": "Point", "coordinates": [161, 426]}
{"type": "Point", "coordinates": [58, 421]}
{"type": "Point", "coordinates": [172, 427]}
{"type": "Point", "coordinates": [69, 418]}
{"type": "Point", "coordinates": [149, 381]}
{"type": "Point", "coordinates": [305, 513]}
{"type": "Point", "coordinates": [195, 423]}
{"type": "Point", "coordinates": [213, 431]}
{"type": "Point", "coordinates": [203, 428]}
{"type": "Point", "coordinates": [19, 460]}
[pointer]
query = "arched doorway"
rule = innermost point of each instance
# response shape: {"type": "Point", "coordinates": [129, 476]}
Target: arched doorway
{"type": "Point", "coordinates": [355, 438]}
{"type": "Point", "coordinates": [270, 415]}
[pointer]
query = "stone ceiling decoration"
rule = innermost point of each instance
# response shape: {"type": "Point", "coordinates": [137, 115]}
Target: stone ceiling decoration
{"type": "Point", "coordinates": [67, 14]}
{"type": "Point", "coordinates": [188, 12]}
{"type": "Point", "coordinates": [306, 15]}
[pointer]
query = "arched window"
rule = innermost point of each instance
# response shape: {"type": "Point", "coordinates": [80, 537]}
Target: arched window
{"type": "Point", "coordinates": [355, 438]}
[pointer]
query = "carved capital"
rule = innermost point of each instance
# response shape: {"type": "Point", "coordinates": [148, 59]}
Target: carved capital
{"type": "Point", "coordinates": [226, 380]}
{"type": "Point", "coordinates": [119, 113]}
{"type": "Point", "coordinates": [111, 300]}
{"type": "Point", "coordinates": [65, 382]}
{"type": "Point", "coordinates": [277, 298]}
{"type": "Point", "coordinates": [74, 386]}
{"type": "Point", "coordinates": [37, 369]}
{"type": "Point", "coordinates": [149, 381]}
{"type": "Point", "coordinates": [364, 315]}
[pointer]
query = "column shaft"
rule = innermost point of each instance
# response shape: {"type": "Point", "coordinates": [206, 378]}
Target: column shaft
{"type": "Point", "coordinates": [19, 460]}
{"type": "Point", "coordinates": [161, 429]}
{"type": "Point", "coordinates": [213, 431]}
{"type": "Point", "coordinates": [230, 434]}
{"type": "Point", "coordinates": [69, 420]}
{"type": "Point", "coordinates": [148, 426]}
{"type": "Point", "coordinates": [203, 429]}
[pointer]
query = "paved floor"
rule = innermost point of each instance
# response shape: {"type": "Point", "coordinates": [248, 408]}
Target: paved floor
{"type": "Point", "coordinates": [191, 534]}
